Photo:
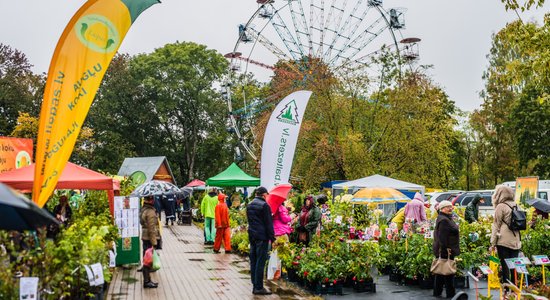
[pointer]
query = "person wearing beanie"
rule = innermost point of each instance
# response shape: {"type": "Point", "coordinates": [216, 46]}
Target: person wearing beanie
{"type": "Point", "coordinates": [223, 230]}
{"type": "Point", "coordinates": [446, 242]}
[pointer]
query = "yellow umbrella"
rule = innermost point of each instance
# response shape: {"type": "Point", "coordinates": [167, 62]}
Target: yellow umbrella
{"type": "Point", "coordinates": [378, 195]}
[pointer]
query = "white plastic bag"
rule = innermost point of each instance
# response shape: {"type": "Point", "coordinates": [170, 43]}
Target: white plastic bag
{"type": "Point", "coordinates": [274, 267]}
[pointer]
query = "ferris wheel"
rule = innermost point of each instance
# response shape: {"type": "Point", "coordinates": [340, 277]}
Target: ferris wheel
{"type": "Point", "coordinates": [295, 39]}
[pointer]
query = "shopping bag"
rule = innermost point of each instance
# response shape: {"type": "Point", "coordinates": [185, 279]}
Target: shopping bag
{"type": "Point", "coordinates": [156, 261]}
{"type": "Point", "coordinates": [493, 280]}
{"type": "Point", "coordinates": [148, 257]}
{"type": "Point", "coordinates": [274, 267]}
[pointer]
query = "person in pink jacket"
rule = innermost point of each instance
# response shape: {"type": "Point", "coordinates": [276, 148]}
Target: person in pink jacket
{"type": "Point", "coordinates": [281, 221]}
{"type": "Point", "coordinates": [415, 209]}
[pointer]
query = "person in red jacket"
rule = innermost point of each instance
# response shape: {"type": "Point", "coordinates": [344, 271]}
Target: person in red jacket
{"type": "Point", "coordinates": [223, 230]}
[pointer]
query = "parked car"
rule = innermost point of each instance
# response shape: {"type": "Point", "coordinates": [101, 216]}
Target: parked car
{"type": "Point", "coordinates": [440, 196]}
{"type": "Point", "coordinates": [485, 209]}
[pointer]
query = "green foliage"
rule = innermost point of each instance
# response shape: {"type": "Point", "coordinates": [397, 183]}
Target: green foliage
{"type": "Point", "coordinates": [239, 242]}
{"type": "Point", "coordinates": [237, 218]}
{"type": "Point", "coordinates": [20, 89]}
{"type": "Point", "coordinates": [513, 121]}
{"type": "Point", "coordinates": [522, 5]}
{"type": "Point", "coordinates": [180, 111]}
{"type": "Point", "coordinates": [417, 257]}
{"type": "Point", "coordinates": [536, 241]}
{"type": "Point", "coordinates": [474, 243]}
{"type": "Point", "coordinates": [127, 186]}
{"type": "Point", "coordinates": [59, 263]}
{"type": "Point", "coordinates": [363, 258]}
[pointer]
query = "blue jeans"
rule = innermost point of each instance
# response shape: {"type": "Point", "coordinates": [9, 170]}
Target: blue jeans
{"type": "Point", "coordinates": [258, 258]}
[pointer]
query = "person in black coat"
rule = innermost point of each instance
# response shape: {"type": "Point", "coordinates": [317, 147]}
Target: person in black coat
{"type": "Point", "coordinates": [260, 233]}
{"type": "Point", "coordinates": [446, 240]}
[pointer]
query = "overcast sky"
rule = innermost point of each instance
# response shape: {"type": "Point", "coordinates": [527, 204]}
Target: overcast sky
{"type": "Point", "coordinates": [456, 34]}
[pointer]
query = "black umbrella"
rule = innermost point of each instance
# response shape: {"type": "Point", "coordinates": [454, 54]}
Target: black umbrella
{"type": "Point", "coordinates": [19, 213]}
{"type": "Point", "coordinates": [540, 204]}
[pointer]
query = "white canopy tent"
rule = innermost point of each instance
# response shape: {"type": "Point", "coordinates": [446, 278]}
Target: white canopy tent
{"type": "Point", "coordinates": [376, 181]}
{"type": "Point", "coordinates": [353, 186]}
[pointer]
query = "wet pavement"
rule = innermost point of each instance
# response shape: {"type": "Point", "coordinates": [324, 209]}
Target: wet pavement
{"type": "Point", "coordinates": [191, 270]}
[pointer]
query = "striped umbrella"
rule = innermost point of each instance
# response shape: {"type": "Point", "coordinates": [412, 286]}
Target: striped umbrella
{"type": "Point", "coordinates": [378, 195]}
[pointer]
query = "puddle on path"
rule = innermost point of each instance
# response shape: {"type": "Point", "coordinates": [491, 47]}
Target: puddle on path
{"type": "Point", "coordinates": [130, 279]}
{"type": "Point", "coordinates": [196, 259]}
{"type": "Point", "coordinates": [245, 271]}
{"type": "Point", "coordinates": [284, 292]}
{"type": "Point", "coordinates": [216, 269]}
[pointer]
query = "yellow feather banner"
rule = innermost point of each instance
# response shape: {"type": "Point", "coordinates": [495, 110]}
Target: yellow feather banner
{"type": "Point", "coordinates": [79, 63]}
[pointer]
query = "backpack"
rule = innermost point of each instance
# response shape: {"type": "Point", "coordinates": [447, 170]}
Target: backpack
{"type": "Point", "coordinates": [518, 219]}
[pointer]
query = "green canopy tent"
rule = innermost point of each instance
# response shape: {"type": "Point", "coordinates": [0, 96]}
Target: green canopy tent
{"type": "Point", "coordinates": [233, 176]}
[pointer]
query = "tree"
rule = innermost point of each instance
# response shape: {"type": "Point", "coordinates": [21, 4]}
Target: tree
{"type": "Point", "coordinates": [522, 5]}
{"type": "Point", "coordinates": [122, 121]}
{"type": "Point", "coordinates": [513, 115]}
{"type": "Point", "coordinates": [178, 85]}
{"type": "Point", "coordinates": [27, 127]}
{"type": "Point", "coordinates": [20, 89]}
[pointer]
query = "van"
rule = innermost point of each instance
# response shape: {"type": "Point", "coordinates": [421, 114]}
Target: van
{"type": "Point", "coordinates": [485, 209]}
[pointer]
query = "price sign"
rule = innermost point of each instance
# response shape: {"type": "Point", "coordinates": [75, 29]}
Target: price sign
{"type": "Point", "coordinates": [485, 270]}
{"type": "Point", "coordinates": [28, 288]}
{"type": "Point", "coordinates": [523, 260]}
{"type": "Point", "coordinates": [511, 263]}
{"type": "Point", "coordinates": [541, 260]}
{"type": "Point", "coordinates": [522, 269]}
{"type": "Point", "coordinates": [429, 234]}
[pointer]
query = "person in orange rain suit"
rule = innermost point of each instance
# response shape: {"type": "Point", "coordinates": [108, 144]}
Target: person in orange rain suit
{"type": "Point", "coordinates": [223, 230]}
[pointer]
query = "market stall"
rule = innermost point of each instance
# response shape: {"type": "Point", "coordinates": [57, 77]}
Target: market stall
{"type": "Point", "coordinates": [72, 177]}
{"type": "Point", "coordinates": [233, 176]}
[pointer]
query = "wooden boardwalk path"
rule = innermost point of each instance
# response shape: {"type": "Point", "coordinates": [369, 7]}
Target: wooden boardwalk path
{"type": "Point", "coordinates": [191, 270]}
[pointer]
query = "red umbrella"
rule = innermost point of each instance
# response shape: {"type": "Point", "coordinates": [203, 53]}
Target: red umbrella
{"type": "Point", "coordinates": [195, 182]}
{"type": "Point", "coordinates": [278, 195]}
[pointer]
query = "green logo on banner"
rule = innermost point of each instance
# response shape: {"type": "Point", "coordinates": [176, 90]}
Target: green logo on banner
{"type": "Point", "coordinates": [97, 33]}
{"type": "Point", "coordinates": [289, 114]}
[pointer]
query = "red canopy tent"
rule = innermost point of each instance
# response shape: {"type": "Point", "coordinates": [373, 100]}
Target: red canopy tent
{"type": "Point", "coordinates": [195, 183]}
{"type": "Point", "coordinates": [72, 177]}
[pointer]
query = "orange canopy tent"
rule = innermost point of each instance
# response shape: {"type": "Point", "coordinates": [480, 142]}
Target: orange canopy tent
{"type": "Point", "coordinates": [72, 177]}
